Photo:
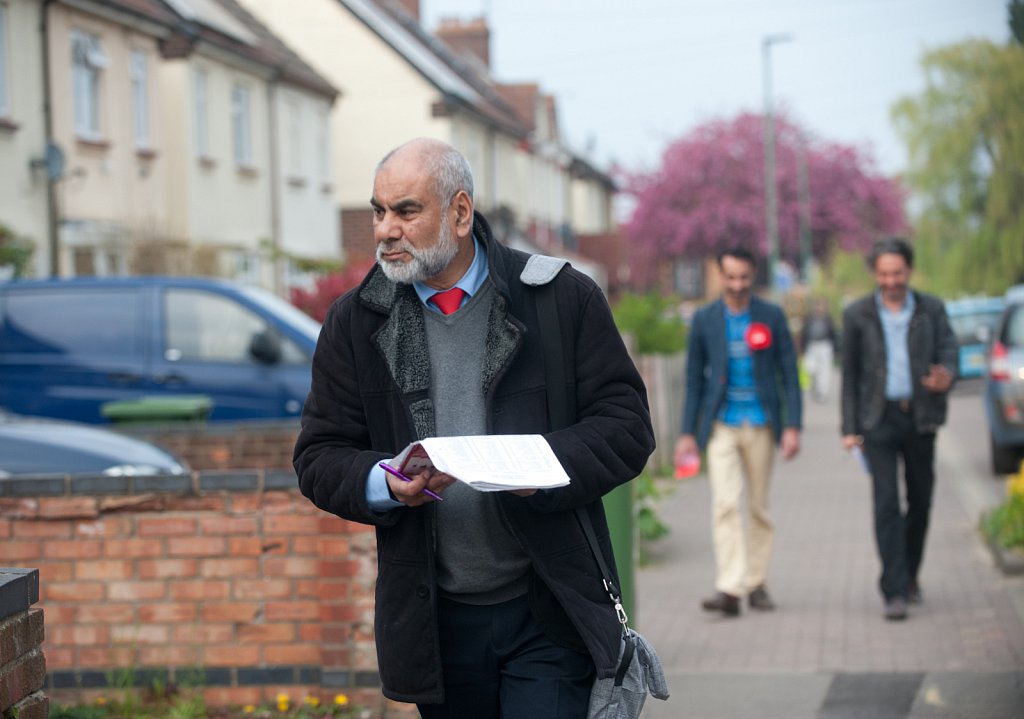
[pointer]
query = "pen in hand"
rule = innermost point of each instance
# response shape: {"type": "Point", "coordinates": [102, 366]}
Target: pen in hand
{"type": "Point", "coordinates": [394, 472]}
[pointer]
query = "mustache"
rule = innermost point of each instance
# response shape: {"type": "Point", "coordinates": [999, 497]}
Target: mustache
{"type": "Point", "coordinates": [394, 246]}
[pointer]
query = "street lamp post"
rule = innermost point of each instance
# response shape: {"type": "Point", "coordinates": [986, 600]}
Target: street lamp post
{"type": "Point", "coordinates": [770, 211]}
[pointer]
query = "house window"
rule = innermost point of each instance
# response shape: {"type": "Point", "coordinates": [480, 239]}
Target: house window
{"type": "Point", "coordinates": [88, 63]}
{"type": "Point", "coordinates": [323, 145]}
{"type": "Point", "coordinates": [5, 93]}
{"type": "Point", "coordinates": [202, 128]}
{"type": "Point", "coordinates": [241, 125]}
{"type": "Point", "coordinates": [140, 99]}
{"type": "Point", "coordinates": [294, 120]}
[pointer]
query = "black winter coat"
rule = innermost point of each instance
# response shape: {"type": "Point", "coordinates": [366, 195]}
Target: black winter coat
{"type": "Point", "coordinates": [369, 399]}
{"type": "Point", "coordinates": [930, 340]}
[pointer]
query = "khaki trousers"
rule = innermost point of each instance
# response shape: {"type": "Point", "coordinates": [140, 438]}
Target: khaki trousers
{"type": "Point", "coordinates": [738, 456]}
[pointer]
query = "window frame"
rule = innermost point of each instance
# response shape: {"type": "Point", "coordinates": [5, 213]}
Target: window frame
{"type": "Point", "coordinates": [293, 106]}
{"type": "Point", "coordinates": [201, 112]}
{"type": "Point", "coordinates": [241, 124]}
{"type": "Point", "coordinates": [138, 69]}
{"type": "Point", "coordinates": [88, 62]}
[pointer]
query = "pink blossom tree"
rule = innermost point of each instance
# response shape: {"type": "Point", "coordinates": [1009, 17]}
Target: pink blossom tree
{"type": "Point", "coordinates": [708, 194]}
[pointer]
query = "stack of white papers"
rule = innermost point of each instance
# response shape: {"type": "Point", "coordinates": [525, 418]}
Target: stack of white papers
{"type": "Point", "coordinates": [488, 463]}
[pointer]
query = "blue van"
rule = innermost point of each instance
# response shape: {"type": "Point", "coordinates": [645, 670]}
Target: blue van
{"type": "Point", "coordinates": [974, 321]}
{"type": "Point", "coordinates": [68, 347]}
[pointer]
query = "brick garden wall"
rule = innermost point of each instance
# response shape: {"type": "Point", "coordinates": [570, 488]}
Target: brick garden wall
{"type": "Point", "coordinates": [228, 574]}
{"type": "Point", "coordinates": [22, 664]}
{"type": "Point", "coordinates": [228, 577]}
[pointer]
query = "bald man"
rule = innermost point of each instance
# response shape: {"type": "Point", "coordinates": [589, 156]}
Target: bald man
{"type": "Point", "coordinates": [488, 604]}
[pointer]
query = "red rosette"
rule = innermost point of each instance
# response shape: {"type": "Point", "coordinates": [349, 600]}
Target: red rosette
{"type": "Point", "coordinates": [758, 336]}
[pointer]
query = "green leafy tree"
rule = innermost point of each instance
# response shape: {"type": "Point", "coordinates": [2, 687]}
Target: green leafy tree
{"type": "Point", "coordinates": [652, 321]}
{"type": "Point", "coordinates": [15, 253]}
{"type": "Point", "coordinates": [965, 135]}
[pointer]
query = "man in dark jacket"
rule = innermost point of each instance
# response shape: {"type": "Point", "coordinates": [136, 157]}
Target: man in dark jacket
{"type": "Point", "coordinates": [899, 361]}
{"type": "Point", "coordinates": [742, 398]}
{"type": "Point", "coordinates": [488, 604]}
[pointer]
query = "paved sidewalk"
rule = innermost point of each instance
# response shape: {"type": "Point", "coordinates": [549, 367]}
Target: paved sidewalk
{"type": "Point", "coordinates": [826, 652]}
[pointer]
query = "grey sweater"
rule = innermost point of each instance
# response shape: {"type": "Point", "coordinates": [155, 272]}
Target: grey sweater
{"type": "Point", "coordinates": [478, 559]}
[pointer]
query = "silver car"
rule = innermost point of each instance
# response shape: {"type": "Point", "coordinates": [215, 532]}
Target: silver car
{"type": "Point", "coordinates": [35, 446]}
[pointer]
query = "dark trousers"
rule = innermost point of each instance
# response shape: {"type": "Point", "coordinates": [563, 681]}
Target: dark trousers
{"type": "Point", "coordinates": [499, 664]}
{"type": "Point", "coordinates": [900, 534]}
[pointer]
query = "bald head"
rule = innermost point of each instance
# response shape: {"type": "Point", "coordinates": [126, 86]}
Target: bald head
{"type": "Point", "coordinates": [448, 169]}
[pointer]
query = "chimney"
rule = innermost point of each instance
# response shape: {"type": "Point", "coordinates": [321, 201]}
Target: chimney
{"type": "Point", "coordinates": [467, 38]}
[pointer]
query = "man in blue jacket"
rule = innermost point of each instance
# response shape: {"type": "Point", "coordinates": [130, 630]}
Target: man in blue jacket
{"type": "Point", "coordinates": [488, 604]}
{"type": "Point", "coordinates": [742, 398]}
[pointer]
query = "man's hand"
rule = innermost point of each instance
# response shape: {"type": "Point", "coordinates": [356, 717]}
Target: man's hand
{"type": "Point", "coordinates": [850, 441]}
{"type": "Point", "coordinates": [938, 379]}
{"type": "Point", "coordinates": [411, 494]}
{"type": "Point", "coordinates": [790, 444]}
{"type": "Point", "coordinates": [685, 445]}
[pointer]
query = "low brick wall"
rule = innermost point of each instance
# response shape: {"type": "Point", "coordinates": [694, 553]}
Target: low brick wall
{"type": "Point", "coordinates": [229, 579]}
{"type": "Point", "coordinates": [22, 664]}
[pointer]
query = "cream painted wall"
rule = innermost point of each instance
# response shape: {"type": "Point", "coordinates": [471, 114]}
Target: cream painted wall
{"type": "Point", "coordinates": [384, 100]}
{"type": "Point", "coordinates": [309, 215]}
{"type": "Point", "coordinates": [228, 203]}
{"type": "Point", "coordinates": [23, 206]}
{"type": "Point", "coordinates": [109, 179]}
{"type": "Point", "coordinates": [591, 207]}
{"type": "Point", "coordinates": [174, 83]}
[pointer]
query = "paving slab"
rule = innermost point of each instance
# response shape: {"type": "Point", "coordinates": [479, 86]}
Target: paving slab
{"type": "Point", "coordinates": [827, 652]}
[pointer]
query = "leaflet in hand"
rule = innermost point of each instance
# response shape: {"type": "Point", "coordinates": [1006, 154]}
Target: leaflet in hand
{"type": "Point", "coordinates": [858, 454]}
{"type": "Point", "coordinates": [488, 463]}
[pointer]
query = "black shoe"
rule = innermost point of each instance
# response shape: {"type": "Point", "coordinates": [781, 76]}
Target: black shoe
{"type": "Point", "coordinates": [759, 599]}
{"type": "Point", "coordinates": [896, 609]}
{"type": "Point", "coordinates": [727, 604]}
{"type": "Point", "coordinates": [914, 595]}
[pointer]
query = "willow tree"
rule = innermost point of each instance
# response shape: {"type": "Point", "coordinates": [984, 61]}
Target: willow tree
{"type": "Point", "coordinates": [965, 136]}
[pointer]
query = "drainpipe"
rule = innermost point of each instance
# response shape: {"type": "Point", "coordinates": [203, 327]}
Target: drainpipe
{"type": "Point", "coordinates": [275, 187]}
{"type": "Point", "coordinates": [52, 216]}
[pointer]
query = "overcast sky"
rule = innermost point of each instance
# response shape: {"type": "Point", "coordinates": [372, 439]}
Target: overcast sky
{"type": "Point", "coordinates": [630, 76]}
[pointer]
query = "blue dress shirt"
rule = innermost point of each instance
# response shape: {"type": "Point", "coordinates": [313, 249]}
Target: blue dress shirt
{"type": "Point", "coordinates": [898, 382]}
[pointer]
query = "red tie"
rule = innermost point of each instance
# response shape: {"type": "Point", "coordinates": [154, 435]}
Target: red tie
{"type": "Point", "coordinates": [449, 300]}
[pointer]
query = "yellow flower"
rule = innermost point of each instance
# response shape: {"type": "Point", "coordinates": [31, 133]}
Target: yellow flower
{"type": "Point", "coordinates": [101, 700]}
{"type": "Point", "coordinates": [340, 700]}
{"type": "Point", "coordinates": [248, 708]}
{"type": "Point", "coordinates": [312, 701]}
{"type": "Point", "coordinates": [1015, 485]}
{"type": "Point", "coordinates": [282, 702]}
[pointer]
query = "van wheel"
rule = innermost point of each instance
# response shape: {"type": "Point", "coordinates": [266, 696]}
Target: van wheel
{"type": "Point", "coordinates": [1004, 459]}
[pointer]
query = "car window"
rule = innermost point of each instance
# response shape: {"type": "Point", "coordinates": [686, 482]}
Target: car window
{"type": "Point", "coordinates": [1013, 334]}
{"type": "Point", "coordinates": [968, 327]}
{"type": "Point", "coordinates": [207, 327]}
{"type": "Point", "coordinates": [84, 322]}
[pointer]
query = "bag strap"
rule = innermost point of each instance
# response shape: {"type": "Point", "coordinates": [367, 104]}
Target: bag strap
{"type": "Point", "coordinates": [558, 416]}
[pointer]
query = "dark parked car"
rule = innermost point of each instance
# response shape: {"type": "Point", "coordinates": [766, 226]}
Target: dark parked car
{"type": "Point", "coordinates": [974, 320]}
{"type": "Point", "coordinates": [70, 347]}
{"type": "Point", "coordinates": [1004, 387]}
{"type": "Point", "coordinates": [34, 446]}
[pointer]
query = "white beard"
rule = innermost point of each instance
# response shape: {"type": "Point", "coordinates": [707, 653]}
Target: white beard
{"type": "Point", "coordinates": [425, 263]}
